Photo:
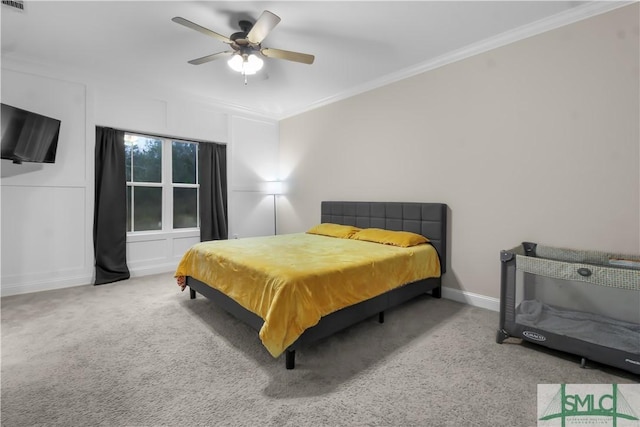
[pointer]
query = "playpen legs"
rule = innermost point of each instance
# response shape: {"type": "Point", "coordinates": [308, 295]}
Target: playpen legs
{"type": "Point", "coordinates": [501, 335]}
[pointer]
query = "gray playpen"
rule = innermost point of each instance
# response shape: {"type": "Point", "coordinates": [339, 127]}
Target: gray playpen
{"type": "Point", "coordinates": [581, 302]}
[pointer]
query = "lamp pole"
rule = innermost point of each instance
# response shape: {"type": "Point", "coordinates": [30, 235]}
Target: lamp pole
{"type": "Point", "coordinates": [274, 188]}
{"type": "Point", "coordinates": [275, 216]}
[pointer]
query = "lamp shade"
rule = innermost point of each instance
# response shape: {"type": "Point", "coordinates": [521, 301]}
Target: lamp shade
{"type": "Point", "coordinates": [274, 187]}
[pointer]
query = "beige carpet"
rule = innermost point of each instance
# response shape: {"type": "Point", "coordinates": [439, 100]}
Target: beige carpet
{"type": "Point", "coordinates": [140, 353]}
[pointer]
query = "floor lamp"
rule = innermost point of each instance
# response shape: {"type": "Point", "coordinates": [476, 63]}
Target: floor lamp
{"type": "Point", "coordinates": [274, 188]}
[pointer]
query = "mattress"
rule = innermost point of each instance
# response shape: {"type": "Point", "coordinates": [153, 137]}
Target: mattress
{"type": "Point", "coordinates": [292, 280]}
{"type": "Point", "coordinates": [589, 327]}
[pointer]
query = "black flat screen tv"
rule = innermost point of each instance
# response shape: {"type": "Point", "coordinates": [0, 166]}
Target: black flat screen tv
{"type": "Point", "coordinates": [27, 136]}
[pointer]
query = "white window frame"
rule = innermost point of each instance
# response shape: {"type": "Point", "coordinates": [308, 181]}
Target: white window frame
{"type": "Point", "coordinates": [167, 185]}
{"type": "Point", "coordinates": [172, 185]}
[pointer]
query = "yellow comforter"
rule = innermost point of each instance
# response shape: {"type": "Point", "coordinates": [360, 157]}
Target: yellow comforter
{"type": "Point", "coordinates": [292, 280]}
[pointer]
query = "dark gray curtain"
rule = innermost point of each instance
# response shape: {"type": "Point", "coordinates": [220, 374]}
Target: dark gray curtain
{"type": "Point", "coordinates": [212, 165]}
{"type": "Point", "coordinates": [110, 214]}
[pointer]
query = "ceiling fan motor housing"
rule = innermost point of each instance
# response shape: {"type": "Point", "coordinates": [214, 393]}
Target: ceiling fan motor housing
{"type": "Point", "coordinates": [240, 42]}
{"type": "Point", "coordinates": [245, 26]}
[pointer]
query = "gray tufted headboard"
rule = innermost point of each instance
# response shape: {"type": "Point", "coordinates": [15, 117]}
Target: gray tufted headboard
{"type": "Point", "coordinates": [428, 219]}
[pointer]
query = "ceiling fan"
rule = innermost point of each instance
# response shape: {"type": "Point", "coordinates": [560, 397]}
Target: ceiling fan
{"type": "Point", "coordinates": [246, 45]}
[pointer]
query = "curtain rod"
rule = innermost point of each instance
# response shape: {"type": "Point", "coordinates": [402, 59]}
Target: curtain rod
{"type": "Point", "coordinates": [155, 135]}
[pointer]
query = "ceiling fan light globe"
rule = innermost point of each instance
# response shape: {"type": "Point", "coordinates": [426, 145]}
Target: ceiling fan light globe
{"type": "Point", "coordinates": [254, 63]}
{"type": "Point", "coordinates": [236, 63]}
{"type": "Point", "coordinates": [246, 65]}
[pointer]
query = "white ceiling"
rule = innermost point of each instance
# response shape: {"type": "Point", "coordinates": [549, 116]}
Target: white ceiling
{"type": "Point", "coordinates": [357, 45]}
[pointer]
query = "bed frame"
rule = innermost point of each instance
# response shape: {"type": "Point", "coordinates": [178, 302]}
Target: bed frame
{"type": "Point", "coordinates": [427, 219]}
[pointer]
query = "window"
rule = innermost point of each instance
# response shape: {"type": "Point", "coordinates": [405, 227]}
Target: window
{"type": "Point", "coordinates": [162, 183]}
{"type": "Point", "coordinates": [184, 156]}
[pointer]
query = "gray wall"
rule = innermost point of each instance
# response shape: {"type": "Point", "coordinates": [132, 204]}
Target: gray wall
{"type": "Point", "coordinates": [537, 140]}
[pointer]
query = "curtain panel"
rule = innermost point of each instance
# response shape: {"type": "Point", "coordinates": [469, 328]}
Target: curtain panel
{"type": "Point", "coordinates": [110, 209]}
{"type": "Point", "coordinates": [212, 164]}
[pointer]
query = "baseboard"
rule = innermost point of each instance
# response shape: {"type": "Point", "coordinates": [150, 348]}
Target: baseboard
{"type": "Point", "coordinates": [8, 289]}
{"type": "Point", "coordinates": [152, 269]}
{"type": "Point", "coordinates": [470, 298]}
{"type": "Point", "coordinates": [464, 297]}
{"type": "Point", "coordinates": [44, 285]}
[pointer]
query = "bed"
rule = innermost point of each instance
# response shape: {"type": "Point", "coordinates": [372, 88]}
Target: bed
{"type": "Point", "coordinates": [274, 295]}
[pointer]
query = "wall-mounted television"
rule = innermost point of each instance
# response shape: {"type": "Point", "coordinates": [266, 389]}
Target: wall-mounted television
{"type": "Point", "coordinates": [27, 136]}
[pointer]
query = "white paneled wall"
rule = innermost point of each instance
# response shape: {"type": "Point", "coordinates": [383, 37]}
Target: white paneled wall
{"type": "Point", "coordinates": [47, 209]}
{"type": "Point", "coordinates": [43, 230]}
{"type": "Point", "coordinates": [44, 206]}
{"type": "Point", "coordinates": [254, 148]}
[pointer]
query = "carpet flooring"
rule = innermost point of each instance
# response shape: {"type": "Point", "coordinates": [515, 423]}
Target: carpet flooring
{"type": "Point", "coordinates": [141, 353]}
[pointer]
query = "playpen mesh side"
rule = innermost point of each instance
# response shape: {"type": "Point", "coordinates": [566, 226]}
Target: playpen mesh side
{"type": "Point", "coordinates": [565, 264]}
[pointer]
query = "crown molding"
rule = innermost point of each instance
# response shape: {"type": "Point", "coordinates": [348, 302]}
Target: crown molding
{"type": "Point", "coordinates": [576, 14]}
{"type": "Point", "coordinates": [565, 18]}
{"type": "Point", "coordinates": [65, 74]}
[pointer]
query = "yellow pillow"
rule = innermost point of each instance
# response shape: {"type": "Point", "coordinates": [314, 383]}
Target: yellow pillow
{"type": "Point", "coordinates": [388, 237]}
{"type": "Point", "coordinates": [334, 230]}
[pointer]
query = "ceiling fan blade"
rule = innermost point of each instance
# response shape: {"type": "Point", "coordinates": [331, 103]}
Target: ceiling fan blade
{"type": "Point", "coordinates": [288, 55]}
{"type": "Point", "coordinates": [203, 30]}
{"type": "Point", "coordinates": [210, 58]}
{"type": "Point", "coordinates": [265, 23]}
